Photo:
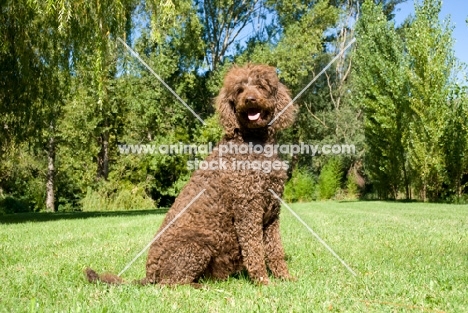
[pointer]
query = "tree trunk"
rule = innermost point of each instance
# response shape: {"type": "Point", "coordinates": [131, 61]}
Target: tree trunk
{"type": "Point", "coordinates": [424, 192]}
{"type": "Point", "coordinates": [407, 185]}
{"type": "Point", "coordinates": [50, 184]}
{"type": "Point", "coordinates": [103, 157]}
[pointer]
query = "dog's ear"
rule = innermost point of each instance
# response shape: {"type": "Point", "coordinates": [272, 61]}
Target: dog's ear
{"type": "Point", "coordinates": [226, 111]}
{"type": "Point", "coordinates": [283, 102]}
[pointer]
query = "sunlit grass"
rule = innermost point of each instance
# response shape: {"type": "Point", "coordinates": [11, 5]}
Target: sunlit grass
{"type": "Point", "coordinates": [410, 257]}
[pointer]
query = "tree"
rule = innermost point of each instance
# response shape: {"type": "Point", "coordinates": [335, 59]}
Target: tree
{"type": "Point", "coordinates": [41, 89]}
{"type": "Point", "coordinates": [455, 141]}
{"type": "Point", "coordinates": [224, 22]}
{"type": "Point", "coordinates": [20, 68]}
{"type": "Point", "coordinates": [379, 81]}
{"type": "Point", "coordinates": [430, 78]}
{"type": "Point", "coordinates": [388, 6]}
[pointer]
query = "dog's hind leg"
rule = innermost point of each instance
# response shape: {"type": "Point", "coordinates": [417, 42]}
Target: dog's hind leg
{"type": "Point", "coordinates": [184, 264]}
{"type": "Point", "coordinates": [222, 266]}
{"type": "Point", "coordinates": [226, 262]}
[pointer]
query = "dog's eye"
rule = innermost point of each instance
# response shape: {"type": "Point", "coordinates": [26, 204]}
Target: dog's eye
{"type": "Point", "coordinates": [233, 105]}
{"type": "Point", "coordinates": [240, 90]}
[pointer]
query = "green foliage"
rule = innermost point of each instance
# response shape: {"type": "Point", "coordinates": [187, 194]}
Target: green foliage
{"type": "Point", "coordinates": [302, 39]}
{"type": "Point", "coordinates": [329, 181]}
{"type": "Point", "coordinates": [455, 143]}
{"type": "Point", "coordinates": [380, 89]}
{"type": "Point", "coordinates": [9, 205]}
{"type": "Point", "coordinates": [116, 197]}
{"type": "Point", "coordinates": [352, 186]}
{"type": "Point", "coordinates": [301, 187]}
{"type": "Point", "coordinates": [404, 88]}
{"type": "Point", "coordinates": [432, 62]}
{"type": "Point", "coordinates": [66, 79]}
{"type": "Point", "coordinates": [210, 132]}
{"type": "Point", "coordinates": [324, 113]}
{"type": "Point", "coordinates": [22, 177]}
{"type": "Point", "coordinates": [159, 175]}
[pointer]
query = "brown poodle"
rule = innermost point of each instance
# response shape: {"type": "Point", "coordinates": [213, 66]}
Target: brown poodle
{"type": "Point", "coordinates": [234, 224]}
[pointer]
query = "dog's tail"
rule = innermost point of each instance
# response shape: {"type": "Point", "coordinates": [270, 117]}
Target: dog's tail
{"type": "Point", "coordinates": [107, 278]}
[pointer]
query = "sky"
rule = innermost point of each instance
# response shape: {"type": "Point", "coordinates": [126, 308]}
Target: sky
{"type": "Point", "coordinates": [457, 11]}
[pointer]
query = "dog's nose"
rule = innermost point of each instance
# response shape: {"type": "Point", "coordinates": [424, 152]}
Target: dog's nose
{"type": "Point", "coordinates": [251, 99]}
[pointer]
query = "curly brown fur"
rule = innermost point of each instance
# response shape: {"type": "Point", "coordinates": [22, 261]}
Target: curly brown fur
{"type": "Point", "coordinates": [234, 225]}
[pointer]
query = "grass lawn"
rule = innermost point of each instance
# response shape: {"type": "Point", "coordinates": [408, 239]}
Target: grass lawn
{"type": "Point", "coordinates": [410, 257]}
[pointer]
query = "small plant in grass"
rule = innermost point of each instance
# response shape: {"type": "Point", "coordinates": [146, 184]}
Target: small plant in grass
{"type": "Point", "coordinates": [329, 181]}
{"type": "Point", "coordinates": [301, 187]}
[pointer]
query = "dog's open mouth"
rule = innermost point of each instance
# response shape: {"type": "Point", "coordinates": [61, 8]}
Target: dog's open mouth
{"type": "Point", "coordinates": [253, 114]}
{"type": "Point", "coordinates": [254, 117]}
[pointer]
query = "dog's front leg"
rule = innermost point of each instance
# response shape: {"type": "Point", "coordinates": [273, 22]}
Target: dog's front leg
{"type": "Point", "coordinates": [250, 235]}
{"type": "Point", "coordinates": [274, 251]}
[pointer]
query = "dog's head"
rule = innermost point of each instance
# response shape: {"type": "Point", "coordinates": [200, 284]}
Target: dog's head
{"type": "Point", "coordinates": [251, 97]}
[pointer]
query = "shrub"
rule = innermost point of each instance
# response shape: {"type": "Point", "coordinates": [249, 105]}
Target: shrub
{"type": "Point", "coordinates": [123, 197]}
{"type": "Point", "coordinates": [301, 187]}
{"type": "Point", "coordinates": [330, 179]}
{"type": "Point", "coordinates": [10, 205]}
{"type": "Point", "coordinates": [210, 132]}
{"type": "Point", "coordinates": [352, 188]}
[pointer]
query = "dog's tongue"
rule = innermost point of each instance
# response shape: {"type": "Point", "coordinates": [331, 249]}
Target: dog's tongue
{"type": "Point", "coordinates": [253, 114]}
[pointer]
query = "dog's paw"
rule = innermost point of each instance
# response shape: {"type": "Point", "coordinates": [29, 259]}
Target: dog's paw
{"type": "Point", "coordinates": [288, 278]}
{"type": "Point", "coordinates": [196, 285]}
{"type": "Point", "coordinates": [284, 276]}
{"type": "Point", "coordinates": [262, 281]}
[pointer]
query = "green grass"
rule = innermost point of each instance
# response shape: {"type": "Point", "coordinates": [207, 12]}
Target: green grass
{"type": "Point", "coordinates": [410, 257]}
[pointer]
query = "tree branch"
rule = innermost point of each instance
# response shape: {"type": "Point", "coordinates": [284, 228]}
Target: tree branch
{"type": "Point", "coordinates": [314, 116]}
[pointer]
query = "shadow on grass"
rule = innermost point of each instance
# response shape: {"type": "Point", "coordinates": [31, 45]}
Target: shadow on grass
{"type": "Point", "coordinates": [380, 200]}
{"type": "Point", "coordinates": [45, 217]}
